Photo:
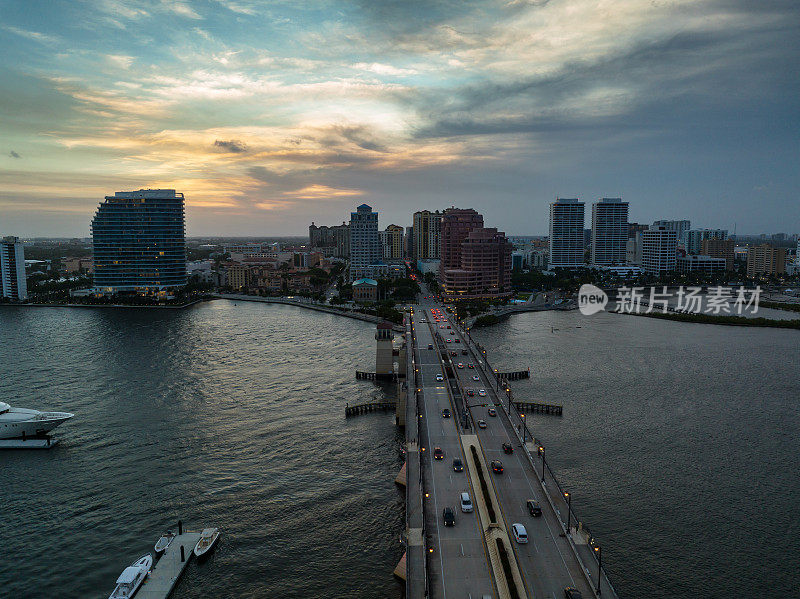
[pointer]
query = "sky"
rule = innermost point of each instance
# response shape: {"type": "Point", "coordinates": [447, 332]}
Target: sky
{"type": "Point", "coordinates": [270, 115]}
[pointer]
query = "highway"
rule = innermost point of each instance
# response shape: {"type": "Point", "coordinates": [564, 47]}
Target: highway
{"type": "Point", "coordinates": [548, 561]}
{"type": "Point", "coordinates": [458, 565]}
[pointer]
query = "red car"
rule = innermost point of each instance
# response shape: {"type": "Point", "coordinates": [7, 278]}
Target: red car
{"type": "Point", "coordinates": [438, 454]}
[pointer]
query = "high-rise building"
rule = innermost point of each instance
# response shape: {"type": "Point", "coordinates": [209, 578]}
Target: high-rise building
{"type": "Point", "coordinates": [456, 225]}
{"type": "Point", "coordinates": [633, 249]}
{"type": "Point", "coordinates": [659, 250]}
{"type": "Point", "coordinates": [765, 259]}
{"type": "Point", "coordinates": [485, 268]}
{"type": "Point", "coordinates": [365, 244]}
{"type": "Point", "coordinates": [566, 233]}
{"type": "Point", "coordinates": [693, 238]}
{"type": "Point", "coordinates": [679, 226]}
{"type": "Point", "coordinates": [409, 243]}
{"type": "Point", "coordinates": [138, 240]}
{"type": "Point", "coordinates": [12, 269]}
{"type": "Point", "coordinates": [719, 248]}
{"type": "Point", "coordinates": [336, 238]}
{"type": "Point", "coordinates": [609, 231]}
{"type": "Point", "coordinates": [634, 228]}
{"type": "Point", "coordinates": [427, 232]}
{"type": "Point", "coordinates": [392, 242]}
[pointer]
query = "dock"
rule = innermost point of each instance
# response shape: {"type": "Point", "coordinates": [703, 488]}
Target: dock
{"type": "Point", "coordinates": [168, 569]}
{"type": "Point", "coordinates": [372, 406]}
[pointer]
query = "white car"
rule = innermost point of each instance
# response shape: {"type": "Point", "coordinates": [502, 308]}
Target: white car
{"type": "Point", "coordinates": [439, 377]}
{"type": "Point", "coordinates": [460, 365]}
{"type": "Point", "coordinates": [481, 424]}
{"type": "Point", "coordinates": [520, 534]}
{"type": "Point", "coordinates": [482, 392]}
{"type": "Point", "coordinates": [475, 377]}
{"type": "Point", "coordinates": [466, 503]}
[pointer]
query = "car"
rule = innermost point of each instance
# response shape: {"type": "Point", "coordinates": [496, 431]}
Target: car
{"type": "Point", "coordinates": [460, 365]}
{"type": "Point", "coordinates": [422, 320]}
{"type": "Point", "coordinates": [492, 412]}
{"type": "Point", "coordinates": [466, 503]}
{"type": "Point", "coordinates": [446, 413]}
{"type": "Point", "coordinates": [453, 353]}
{"type": "Point", "coordinates": [475, 377]}
{"type": "Point", "coordinates": [441, 326]}
{"type": "Point", "coordinates": [457, 340]}
{"type": "Point", "coordinates": [464, 352]}
{"type": "Point", "coordinates": [439, 377]}
{"type": "Point", "coordinates": [448, 326]}
{"type": "Point", "coordinates": [481, 424]}
{"type": "Point", "coordinates": [438, 454]}
{"type": "Point", "coordinates": [451, 333]}
{"type": "Point", "coordinates": [497, 466]}
{"type": "Point", "coordinates": [470, 392]}
{"type": "Point", "coordinates": [470, 365]}
{"type": "Point", "coordinates": [449, 340]}
{"type": "Point", "coordinates": [572, 593]}
{"type": "Point", "coordinates": [482, 392]}
{"type": "Point", "coordinates": [430, 346]}
{"type": "Point", "coordinates": [457, 465]}
{"type": "Point", "coordinates": [520, 534]}
{"type": "Point", "coordinates": [448, 516]}
{"type": "Point", "coordinates": [534, 508]}
{"type": "Point", "coordinates": [507, 448]}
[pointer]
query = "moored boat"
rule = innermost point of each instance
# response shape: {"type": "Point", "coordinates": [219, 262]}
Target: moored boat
{"type": "Point", "coordinates": [207, 541]}
{"type": "Point", "coordinates": [132, 578]}
{"type": "Point", "coordinates": [164, 542]}
{"type": "Point", "coordinates": [22, 423]}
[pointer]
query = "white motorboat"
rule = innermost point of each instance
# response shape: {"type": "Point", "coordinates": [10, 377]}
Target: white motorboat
{"type": "Point", "coordinates": [132, 578]}
{"type": "Point", "coordinates": [164, 542]}
{"type": "Point", "coordinates": [207, 540]}
{"type": "Point", "coordinates": [22, 423]}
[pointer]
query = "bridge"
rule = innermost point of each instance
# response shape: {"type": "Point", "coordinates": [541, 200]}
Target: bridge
{"type": "Point", "coordinates": [479, 556]}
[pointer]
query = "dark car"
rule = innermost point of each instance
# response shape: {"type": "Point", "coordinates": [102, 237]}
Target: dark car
{"type": "Point", "coordinates": [470, 392]}
{"type": "Point", "coordinates": [465, 353]}
{"type": "Point", "coordinates": [572, 593]}
{"type": "Point", "coordinates": [492, 412]}
{"type": "Point", "coordinates": [430, 346]}
{"type": "Point", "coordinates": [507, 448]}
{"type": "Point", "coordinates": [534, 508]}
{"type": "Point", "coordinates": [457, 465]}
{"type": "Point", "coordinates": [457, 340]}
{"type": "Point", "coordinates": [449, 517]}
{"type": "Point", "coordinates": [438, 454]}
{"type": "Point", "coordinates": [497, 466]}
{"type": "Point", "coordinates": [448, 326]}
{"type": "Point", "coordinates": [453, 353]}
{"type": "Point", "coordinates": [446, 413]}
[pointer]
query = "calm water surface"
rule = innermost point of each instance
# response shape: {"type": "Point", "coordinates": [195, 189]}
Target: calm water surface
{"type": "Point", "coordinates": [225, 415]}
{"type": "Point", "coordinates": [678, 442]}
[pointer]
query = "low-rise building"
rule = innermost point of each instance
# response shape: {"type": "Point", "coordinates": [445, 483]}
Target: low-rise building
{"type": "Point", "coordinates": [73, 264]}
{"type": "Point", "coordinates": [365, 290]}
{"type": "Point", "coordinates": [700, 263]}
{"type": "Point", "coordinates": [765, 259]}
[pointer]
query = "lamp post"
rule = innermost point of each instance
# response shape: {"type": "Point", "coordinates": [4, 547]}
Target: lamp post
{"type": "Point", "coordinates": [599, 567]}
{"type": "Point", "coordinates": [568, 496]}
{"type": "Point", "coordinates": [541, 450]}
{"type": "Point", "coordinates": [524, 428]}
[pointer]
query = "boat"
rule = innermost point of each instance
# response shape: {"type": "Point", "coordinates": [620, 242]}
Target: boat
{"type": "Point", "coordinates": [132, 578]}
{"type": "Point", "coordinates": [22, 423]}
{"type": "Point", "coordinates": [207, 540]}
{"type": "Point", "coordinates": [164, 542]}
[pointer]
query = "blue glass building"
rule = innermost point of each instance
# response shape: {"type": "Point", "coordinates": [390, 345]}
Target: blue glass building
{"type": "Point", "coordinates": [139, 241]}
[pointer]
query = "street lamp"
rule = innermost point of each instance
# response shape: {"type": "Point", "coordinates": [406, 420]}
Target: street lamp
{"type": "Point", "coordinates": [599, 567]}
{"type": "Point", "coordinates": [541, 450]}
{"type": "Point", "coordinates": [569, 508]}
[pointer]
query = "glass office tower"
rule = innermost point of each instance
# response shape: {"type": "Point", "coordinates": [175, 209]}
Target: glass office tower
{"type": "Point", "coordinates": [139, 240]}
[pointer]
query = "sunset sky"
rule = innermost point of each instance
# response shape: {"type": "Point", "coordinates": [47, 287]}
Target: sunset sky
{"type": "Point", "coordinates": [269, 115]}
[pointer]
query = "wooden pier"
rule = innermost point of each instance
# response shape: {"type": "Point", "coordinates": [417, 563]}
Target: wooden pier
{"type": "Point", "coordinates": [514, 376]}
{"type": "Point", "coordinates": [539, 408]}
{"type": "Point", "coordinates": [373, 406]}
{"type": "Point", "coordinates": [372, 376]}
{"type": "Point", "coordinates": [168, 569]}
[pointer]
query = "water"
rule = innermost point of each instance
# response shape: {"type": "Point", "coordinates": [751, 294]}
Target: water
{"type": "Point", "coordinates": [679, 443]}
{"type": "Point", "coordinates": [225, 415]}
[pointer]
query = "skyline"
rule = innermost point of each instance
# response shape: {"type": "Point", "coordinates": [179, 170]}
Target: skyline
{"type": "Point", "coordinates": [270, 117]}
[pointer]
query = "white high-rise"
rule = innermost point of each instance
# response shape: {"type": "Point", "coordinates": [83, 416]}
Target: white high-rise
{"type": "Point", "coordinates": [566, 233]}
{"type": "Point", "coordinates": [659, 253]}
{"type": "Point", "coordinates": [365, 243]}
{"type": "Point", "coordinates": [679, 226]}
{"type": "Point", "coordinates": [12, 269]}
{"type": "Point", "coordinates": [609, 231]}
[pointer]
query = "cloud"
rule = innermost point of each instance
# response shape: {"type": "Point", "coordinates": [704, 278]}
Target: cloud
{"type": "Point", "coordinates": [32, 35]}
{"type": "Point", "coordinates": [234, 145]}
{"type": "Point", "coordinates": [322, 192]}
{"type": "Point", "coordinates": [13, 154]}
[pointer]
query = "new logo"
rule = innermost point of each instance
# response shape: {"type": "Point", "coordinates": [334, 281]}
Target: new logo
{"type": "Point", "coordinates": [591, 299]}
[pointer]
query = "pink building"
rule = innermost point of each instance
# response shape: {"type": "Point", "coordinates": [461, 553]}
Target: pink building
{"type": "Point", "coordinates": [484, 270]}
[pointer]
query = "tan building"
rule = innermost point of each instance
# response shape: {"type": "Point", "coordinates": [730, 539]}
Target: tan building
{"type": "Point", "coordinates": [365, 290]}
{"type": "Point", "coordinates": [272, 282]}
{"type": "Point", "coordinates": [392, 239]}
{"type": "Point", "coordinates": [239, 277]}
{"type": "Point", "coordinates": [719, 248]}
{"type": "Point", "coordinates": [426, 235]}
{"type": "Point", "coordinates": [77, 264]}
{"type": "Point", "coordinates": [765, 260]}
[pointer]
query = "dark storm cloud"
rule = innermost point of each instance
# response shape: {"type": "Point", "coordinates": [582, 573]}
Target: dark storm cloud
{"type": "Point", "coordinates": [234, 146]}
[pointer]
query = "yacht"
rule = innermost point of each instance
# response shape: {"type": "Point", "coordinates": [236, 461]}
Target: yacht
{"type": "Point", "coordinates": [132, 577]}
{"type": "Point", "coordinates": [23, 423]}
